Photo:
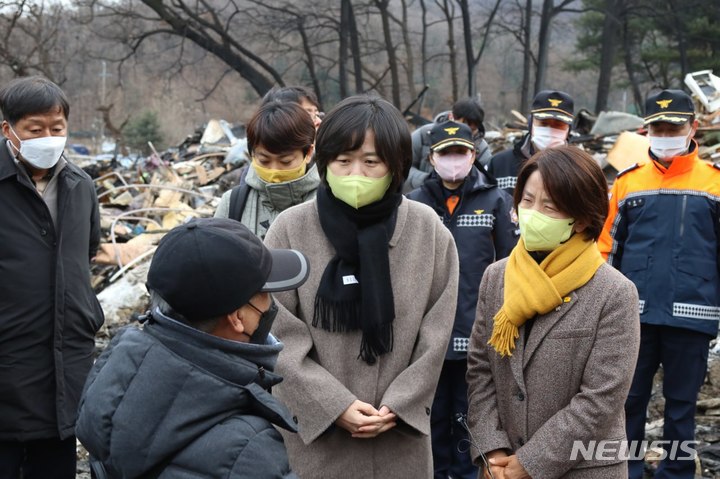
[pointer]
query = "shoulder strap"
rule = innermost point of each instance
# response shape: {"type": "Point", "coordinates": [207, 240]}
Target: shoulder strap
{"type": "Point", "coordinates": [628, 169]}
{"type": "Point", "coordinates": [238, 197]}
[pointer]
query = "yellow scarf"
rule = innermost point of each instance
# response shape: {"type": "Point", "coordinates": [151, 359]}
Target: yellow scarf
{"type": "Point", "coordinates": [533, 289]}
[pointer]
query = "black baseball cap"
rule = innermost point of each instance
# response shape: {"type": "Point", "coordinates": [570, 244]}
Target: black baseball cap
{"type": "Point", "coordinates": [671, 106]}
{"type": "Point", "coordinates": [212, 266]}
{"type": "Point", "coordinates": [553, 104]}
{"type": "Point", "coordinates": [450, 133]}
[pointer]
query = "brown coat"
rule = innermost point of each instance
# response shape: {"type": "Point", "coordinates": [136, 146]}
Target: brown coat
{"type": "Point", "coordinates": [568, 383]}
{"type": "Point", "coordinates": [322, 372]}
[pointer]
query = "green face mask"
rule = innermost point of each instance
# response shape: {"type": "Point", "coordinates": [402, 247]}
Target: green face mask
{"type": "Point", "coordinates": [358, 191]}
{"type": "Point", "coordinates": [541, 232]}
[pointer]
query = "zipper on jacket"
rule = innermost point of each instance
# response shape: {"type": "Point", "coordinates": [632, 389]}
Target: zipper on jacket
{"type": "Point", "coordinates": [682, 216]}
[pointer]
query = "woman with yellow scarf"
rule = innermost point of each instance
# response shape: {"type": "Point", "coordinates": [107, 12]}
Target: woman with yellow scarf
{"type": "Point", "coordinates": [556, 335]}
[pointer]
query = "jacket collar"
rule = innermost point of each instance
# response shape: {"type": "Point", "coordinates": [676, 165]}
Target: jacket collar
{"type": "Point", "coordinates": [7, 163]}
{"type": "Point", "coordinates": [680, 164]}
{"type": "Point", "coordinates": [477, 180]}
{"type": "Point", "coordinates": [281, 196]}
{"type": "Point", "coordinates": [524, 148]}
{"type": "Point", "coordinates": [524, 350]}
{"type": "Point", "coordinates": [235, 361]}
{"type": "Point", "coordinates": [244, 365]}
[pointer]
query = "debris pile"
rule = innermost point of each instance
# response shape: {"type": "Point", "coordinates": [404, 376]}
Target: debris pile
{"type": "Point", "coordinates": [143, 198]}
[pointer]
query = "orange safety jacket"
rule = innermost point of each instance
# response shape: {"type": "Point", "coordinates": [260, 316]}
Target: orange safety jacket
{"type": "Point", "coordinates": [663, 233]}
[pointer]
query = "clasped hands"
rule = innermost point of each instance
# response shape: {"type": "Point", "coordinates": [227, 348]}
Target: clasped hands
{"type": "Point", "coordinates": [505, 466]}
{"type": "Point", "coordinates": [363, 421]}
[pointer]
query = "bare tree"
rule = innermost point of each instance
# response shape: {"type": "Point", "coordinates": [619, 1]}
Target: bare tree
{"type": "Point", "coordinates": [549, 11]}
{"type": "Point", "coordinates": [383, 8]}
{"type": "Point", "coordinates": [471, 59]}
{"type": "Point", "coordinates": [448, 10]}
{"type": "Point", "coordinates": [517, 21]}
{"type": "Point", "coordinates": [215, 29]}
{"type": "Point", "coordinates": [409, 63]}
{"type": "Point", "coordinates": [289, 19]}
{"type": "Point", "coordinates": [527, 56]}
{"type": "Point", "coordinates": [29, 38]}
{"type": "Point", "coordinates": [630, 65]}
{"type": "Point", "coordinates": [612, 25]}
{"type": "Point", "coordinates": [115, 131]}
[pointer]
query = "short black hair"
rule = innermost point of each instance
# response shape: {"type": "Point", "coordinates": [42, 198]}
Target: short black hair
{"type": "Point", "coordinates": [293, 94]}
{"type": "Point", "coordinates": [31, 95]}
{"type": "Point", "coordinates": [281, 128]}
{"type": "Point", "coordinates": [575, 183]}
{"type": "Point", "coordinates": [470, 110]}
{"type": "Point", "coordinates": [344, 128]}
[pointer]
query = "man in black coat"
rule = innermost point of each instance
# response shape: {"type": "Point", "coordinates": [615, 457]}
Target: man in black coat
{"type": "Point", "coordinates": [48, 311]}
{"type": "Point", "coordinates": [187, 395]}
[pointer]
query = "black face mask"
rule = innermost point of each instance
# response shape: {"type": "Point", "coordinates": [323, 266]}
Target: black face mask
{"type": "Point", "coordinates": [266, 321]}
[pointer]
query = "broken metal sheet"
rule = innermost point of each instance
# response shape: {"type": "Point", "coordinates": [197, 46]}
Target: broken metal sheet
{"type": "Point", "coordinates": [614, 122]}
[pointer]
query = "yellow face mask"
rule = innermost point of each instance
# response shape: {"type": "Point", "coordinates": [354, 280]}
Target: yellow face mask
{"type": "Point", "coordinates": [270, 175]}
{"type": "Point", "coordinates": [358, 191]}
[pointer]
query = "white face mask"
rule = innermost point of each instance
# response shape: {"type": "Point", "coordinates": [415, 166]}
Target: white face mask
{"type": "Point", "coordinates": [665, 147]}
{"type": "Point", "coordinates": [41, 153]}
{"type": "Point", "coordinates": [547, 137]}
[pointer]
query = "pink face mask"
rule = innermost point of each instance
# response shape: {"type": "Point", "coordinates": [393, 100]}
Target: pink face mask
{"type": "Point", "coordinates": [453, 167]}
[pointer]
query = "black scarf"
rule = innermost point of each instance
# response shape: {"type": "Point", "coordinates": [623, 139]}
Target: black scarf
{"type": "Point", "coordinates": [355, 291]}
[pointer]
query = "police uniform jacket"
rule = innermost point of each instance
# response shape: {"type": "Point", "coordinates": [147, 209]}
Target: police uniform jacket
{"type": "Point", "coordinates": [506, 165]}
{"type": "Point", "coordinates": [484, 231]}
{"type": "Point", "coordinates": [663, 233]}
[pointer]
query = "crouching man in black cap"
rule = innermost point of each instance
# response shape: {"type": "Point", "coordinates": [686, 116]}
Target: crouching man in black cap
{"type": "Point", "coordinates": [187, 395]}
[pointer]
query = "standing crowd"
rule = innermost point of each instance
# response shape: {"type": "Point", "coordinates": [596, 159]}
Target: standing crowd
{"type": "Point", "coordinates": [366, 303]}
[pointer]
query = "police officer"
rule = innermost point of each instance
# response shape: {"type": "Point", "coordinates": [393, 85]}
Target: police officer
{"type": "Point", "coordinates": [663, 233]}
{"type": "Point", "coordinates": [551, 118]}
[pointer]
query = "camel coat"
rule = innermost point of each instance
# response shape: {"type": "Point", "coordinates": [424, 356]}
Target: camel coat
{"type": "Point", "coordinates": [323, 373]}
{"type": "Point", "coordinates": [568, 383]}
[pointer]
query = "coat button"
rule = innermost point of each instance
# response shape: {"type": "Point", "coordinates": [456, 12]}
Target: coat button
{"type": "Point", "coordinates": [427, 411]}
{"type": "Point", "coordinates": [520, 441]}
{"type": "Point", "coordinates": [520, 396]}
{"type": "Point", "coordinates": [295, 419]}
{"type": "Point", "coordinates": [43, 232]}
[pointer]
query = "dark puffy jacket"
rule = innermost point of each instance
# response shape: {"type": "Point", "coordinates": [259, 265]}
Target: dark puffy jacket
{"type": "Point", "coordinates": [169, 401]}
{"type": "Point", "coordinates": [484, 231]}
{"type": "Point", "coordinates": [48, 311]}
{"type": "Point", "coordinates": [505, 165]}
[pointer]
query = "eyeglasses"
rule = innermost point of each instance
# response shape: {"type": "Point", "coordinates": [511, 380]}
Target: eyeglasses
{"type": "Point", "coordinates": [258, 309]}
{"type": "Point", "coordinates": [462, 420]}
